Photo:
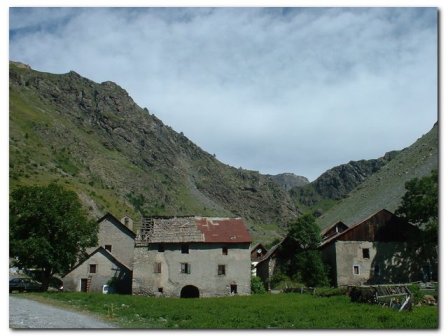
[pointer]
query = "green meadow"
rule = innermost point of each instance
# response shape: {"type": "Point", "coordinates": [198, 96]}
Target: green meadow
{"type": "Point", "coordinates": [280, 311]}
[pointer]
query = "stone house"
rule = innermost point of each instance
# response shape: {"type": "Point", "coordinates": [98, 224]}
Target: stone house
{"type": "Point", "coordinates": [266, 266]}
{"type": "Point", "coordinates": [192, 257]}
{"type": "Point", "coordinates": [111, 260]}
{"type": "Point", "coordinates": [377, 250]}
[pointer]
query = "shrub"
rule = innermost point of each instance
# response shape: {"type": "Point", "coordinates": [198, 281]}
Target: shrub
{"type": "Point", "coordinates": [257, 286]}
{"type": "Point", "coordinates": [329, 291]}
{"type": "Point", "coordinates": [362, 294]}
{"type": "Point", "coordinates": [417, 294]}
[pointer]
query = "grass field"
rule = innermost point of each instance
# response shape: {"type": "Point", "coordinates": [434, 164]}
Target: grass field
{"type": "Point", "coordinates": [285, 311]}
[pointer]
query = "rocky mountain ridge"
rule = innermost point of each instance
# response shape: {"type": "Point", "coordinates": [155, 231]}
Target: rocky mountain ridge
{"type": "Point", "coordinates": [121, 158]}
{"type": "Point", "coordinates": [94, 139]}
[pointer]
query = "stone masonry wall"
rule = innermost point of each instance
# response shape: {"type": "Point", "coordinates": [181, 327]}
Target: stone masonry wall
{"type": "Point", "coordinates": [203, 260]}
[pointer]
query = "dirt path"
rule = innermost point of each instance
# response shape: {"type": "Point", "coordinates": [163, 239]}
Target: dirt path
{"type": "Point", "coordinates": [24, 313]}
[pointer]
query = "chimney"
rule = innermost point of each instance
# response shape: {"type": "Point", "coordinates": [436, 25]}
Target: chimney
{"type": "Point", "coordinates": [128, 222]}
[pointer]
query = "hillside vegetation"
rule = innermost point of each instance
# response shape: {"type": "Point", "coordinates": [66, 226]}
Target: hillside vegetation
{"type": "Point", "coordinates": [120, 158]}
{"type": "Point", "coordinates": [386, 187]}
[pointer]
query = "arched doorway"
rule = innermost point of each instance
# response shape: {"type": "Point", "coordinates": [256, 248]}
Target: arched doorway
{"type": "Point", "coordinates": [189, 292]}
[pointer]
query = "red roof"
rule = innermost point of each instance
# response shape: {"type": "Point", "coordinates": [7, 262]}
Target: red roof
{"type": "Point", "coordinates": [223, 230]}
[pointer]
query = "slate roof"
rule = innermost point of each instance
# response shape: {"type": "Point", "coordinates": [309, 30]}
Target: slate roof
{"type": "Point", "coordinates": [193, 229]}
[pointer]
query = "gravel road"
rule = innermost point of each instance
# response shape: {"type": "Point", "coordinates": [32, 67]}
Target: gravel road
{"type": "Point", "coordinates": [24, 313]}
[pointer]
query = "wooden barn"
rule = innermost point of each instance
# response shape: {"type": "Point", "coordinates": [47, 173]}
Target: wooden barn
{"type": "Point", "coordinates": [377, 250]}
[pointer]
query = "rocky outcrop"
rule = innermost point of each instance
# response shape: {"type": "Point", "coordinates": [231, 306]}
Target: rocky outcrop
{"type": "Point", "coordinates": [289, 180]}
{"type": "Point", "coordinates": [96, 139]}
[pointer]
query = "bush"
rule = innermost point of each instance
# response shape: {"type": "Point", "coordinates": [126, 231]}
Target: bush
{"type": "Point", "coordinates": [328, 291]}
{"type": "Point", "coordinates": [417, 294]}
{"type": "Point", "coordinates": [362, 294]}
{"type": "Point", "coordinates": [257, 286]}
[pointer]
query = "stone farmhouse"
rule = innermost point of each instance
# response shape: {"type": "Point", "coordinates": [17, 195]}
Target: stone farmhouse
{"type": "Point", "coordinates": [192, 257]}
{"type": "Point", "coordinates": [111, 259]}
{"type": "Point", "coordinates": [171, 256]}
{"type": "Point", "coordinates": [377, 250]}
{"type": "Point", "coordinates": [374, 251]}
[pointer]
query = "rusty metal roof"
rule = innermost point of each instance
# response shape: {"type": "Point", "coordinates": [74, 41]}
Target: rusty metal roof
{"type": "Point", "coordinates": [223, 230]}
{"type": "Point", "coordinates": [193, 229]}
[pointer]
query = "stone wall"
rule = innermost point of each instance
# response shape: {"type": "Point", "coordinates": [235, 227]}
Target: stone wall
{"type": "Point", "coordinates": [106, 269]}
{"type": "Point", "coordinates": [203, 259]}
{"type": "Point", "coordinates": [110, 233]}
{"type": "Point", "coordinates": [386, 262]}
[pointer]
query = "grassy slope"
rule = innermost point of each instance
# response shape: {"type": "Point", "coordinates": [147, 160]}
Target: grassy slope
{"type": "Point", "coordinates": [286, 311]}
{"type": "Point", "coordinates": [54, 139]}
{"type": "Point", "coordinates": [385, 188]}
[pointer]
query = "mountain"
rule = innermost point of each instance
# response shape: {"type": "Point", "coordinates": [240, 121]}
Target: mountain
{"type": "Point", "coordinates": [289, 180]}
{"type": "Point", "coordinates": [119, 158]}
{"type": "Point", "coordinates": [336, 183]}
{"type": "Point", "coordinates": [386, 187]}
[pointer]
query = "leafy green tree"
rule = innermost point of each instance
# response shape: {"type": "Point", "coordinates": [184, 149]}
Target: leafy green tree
{"type": "Point", "coordinates": [419, 205]}
{"type": "Point", "coordinates": [302, 246]}
{"type": "Point", "coordinates": [49, 229]}
{"type": "Point", "coordinates": [305, 232]}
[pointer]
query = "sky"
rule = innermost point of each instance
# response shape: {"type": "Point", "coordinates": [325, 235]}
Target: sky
{"type": "Point", "coordinates": [275, 90]}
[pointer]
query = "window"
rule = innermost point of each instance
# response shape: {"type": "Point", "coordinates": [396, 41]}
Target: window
{"type": "Point", "coordinates": [160, 290]}
{"type": "Point", "coordinates": [108, 247]}
{"type": "Point", "coordinates": [225, 251]}
{"type": "Point", "coordinates": [185, 268]}
{"type": "Point", "coordinates": [158, 267]}
{"type": "Point", "coordinates": [161, 248]}
{"type": "Point", "coordinates": [366, 253]}
{"type": "Point", "coordinates": [356, 269]}
{"type": "Point", "coordinates": [92, 268]}
{"type": "Point", "coordinates": [185, 248]}
{"type": "Point", "coordinates": [233, 289]}
{"type": "Point", "coordinates": [221, 269]}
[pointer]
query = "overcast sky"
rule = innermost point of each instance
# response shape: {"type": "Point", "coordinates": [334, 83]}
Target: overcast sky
{"type": "Point", "coordinates": [273, 90]}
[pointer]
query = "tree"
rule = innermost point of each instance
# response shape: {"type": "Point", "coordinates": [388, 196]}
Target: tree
{"type": "Point", "coordinates": [419, 205]}
{"type": "Point", "coordinates": [305, 232]}
{"type": "Point", "coordinates": [302, 247]}
{"type": "Point", "coordinates": [49, 229]}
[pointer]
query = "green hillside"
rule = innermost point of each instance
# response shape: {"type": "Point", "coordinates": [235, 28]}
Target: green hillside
{"type": "Point", "coordinates": [385, 187]}
{"type": "Point", "coordinates": [118, 157]}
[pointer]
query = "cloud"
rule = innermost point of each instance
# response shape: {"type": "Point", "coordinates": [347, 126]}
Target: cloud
{"type": "Point", "coordinates": [274, 90]}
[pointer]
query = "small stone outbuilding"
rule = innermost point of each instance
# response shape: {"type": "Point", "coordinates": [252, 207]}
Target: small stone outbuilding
{"type": "Point", "coordinates": [98, 269]}
{"type": "Point", "coordinates": [109, 262]}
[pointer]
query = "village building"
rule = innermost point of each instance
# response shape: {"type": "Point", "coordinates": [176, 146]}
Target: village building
{"type": "Point", "coordinates": [377, 250]}
{"type": "Point", "coordinates": [256, 254]}
{"type": "Point", "coordinates": [110, 262]}
{"type": "Point", "coordinates": [265, 266]}
{"type": "Point", "coordinates": [192, 257]}
{"type": "Point", "coordinates": [333, 230]}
